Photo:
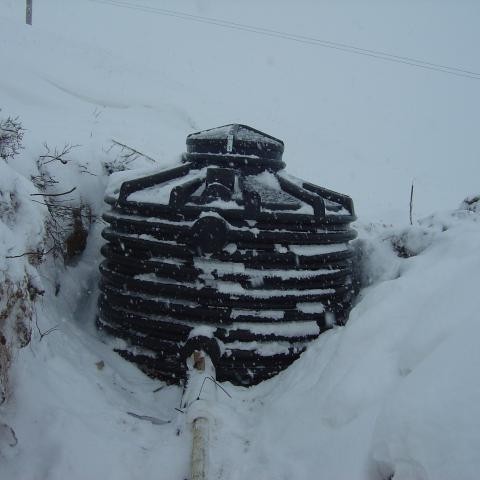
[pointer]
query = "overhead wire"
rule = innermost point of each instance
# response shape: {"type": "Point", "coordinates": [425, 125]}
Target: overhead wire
{"type": "Point", "coordinates": [377, 54]}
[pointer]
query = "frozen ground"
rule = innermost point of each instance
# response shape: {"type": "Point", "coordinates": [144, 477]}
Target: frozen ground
{"type": "Point", "coordinates": [396, 391]}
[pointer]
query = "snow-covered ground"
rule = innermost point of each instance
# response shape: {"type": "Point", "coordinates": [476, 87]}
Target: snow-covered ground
{"type": "Point", "coordinates": [395, 391]}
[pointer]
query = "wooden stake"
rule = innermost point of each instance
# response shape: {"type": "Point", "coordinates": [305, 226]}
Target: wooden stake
{"type": "Point", "coordinates": [411, 205]}
{"type": "Point", "coordinates": [29, 12]}
{"type": "Point", "coordinates": [198, 361]}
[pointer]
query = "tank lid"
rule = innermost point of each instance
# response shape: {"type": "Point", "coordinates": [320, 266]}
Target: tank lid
{"type": "Point", "coordinates": [235, 140]}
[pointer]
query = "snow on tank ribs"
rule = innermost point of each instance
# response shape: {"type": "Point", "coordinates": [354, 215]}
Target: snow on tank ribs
{"type": "Point", "coordinates": [225, 253]}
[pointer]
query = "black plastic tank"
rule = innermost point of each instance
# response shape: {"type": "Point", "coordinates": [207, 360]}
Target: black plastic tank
{"type": "Point", "coordinates": [225, 253]}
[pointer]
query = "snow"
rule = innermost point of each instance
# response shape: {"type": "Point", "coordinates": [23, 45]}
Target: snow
{"type": "Point", "coordinates": [208, 266]}
{"type": "Point", "coordinates": [223, 204]}
{"type": "Point", "coordinates": [262, 348]}
{"type": "Point", "coordinates": [395, 391]}
{"type": "Point", "coordinates": [270, 314]}
{"type": "Point", "coordinates": [237, 289]}
{"type": "Point", "coordinates": [285, 329]}
{"type": "Point", "coordinates": [21, 221]}
{"type": "Point", "coordinates": [162, 195]}
{"type": "Point", "coordinates": [311, 307]}
{"type": "Point", "coordinates": [268, 179]}
{"type": "Point", "coordinates": [216, 132]}
{"type": "Point", "coordinates": [311, 250]}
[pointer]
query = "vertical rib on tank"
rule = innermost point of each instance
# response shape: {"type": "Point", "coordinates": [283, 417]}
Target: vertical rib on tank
{"type": "Point", "coordinates": [225, 253]}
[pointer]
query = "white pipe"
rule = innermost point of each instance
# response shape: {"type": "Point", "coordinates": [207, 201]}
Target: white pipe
{"type": "Point", "coordinates": [200, 367]}
{"type": "Point", "coordinates": [199, 460]}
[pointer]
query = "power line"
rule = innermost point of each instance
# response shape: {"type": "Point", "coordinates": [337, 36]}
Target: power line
{"type": "Point", "coordinates": [298, 38]}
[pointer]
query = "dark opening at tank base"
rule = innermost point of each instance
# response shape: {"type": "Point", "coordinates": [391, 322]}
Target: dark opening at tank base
{"type": "Point", "coordinates": [225, 253]}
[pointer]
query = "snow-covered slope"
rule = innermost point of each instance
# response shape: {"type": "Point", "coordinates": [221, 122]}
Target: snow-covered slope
{"type": "Point", "coordinates": [392, 393]}
{"type": "Point", "coordinates": [354, 123]}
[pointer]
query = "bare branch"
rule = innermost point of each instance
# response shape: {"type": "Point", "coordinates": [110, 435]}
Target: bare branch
{"type": "Point", "coordinates": [35, 254]}
{"type": "Point", "coordinates": [11, 136]}
{"type": "Point", "coordinates": [46, 332]}
{"type": "Point", "coordinates": [148, 418]}
{"type": "Point", "coordinates": [84, 169]}
{"type": "Point", "coordinates": [56, 155]}
{"type": "Point", "coordinates": [133, 150]}
{"type": "Point", "coordinates": [125, 156]}
{"type": "Point", "coordinates": [54, 194]}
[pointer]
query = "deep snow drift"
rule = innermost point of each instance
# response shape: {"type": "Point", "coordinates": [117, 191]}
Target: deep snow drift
{"type": "Point", "coordinates": [395, 391]}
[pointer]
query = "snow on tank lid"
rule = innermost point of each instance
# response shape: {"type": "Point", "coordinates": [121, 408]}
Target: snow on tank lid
{"type": "Point", "coordinates": [235, 140]}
